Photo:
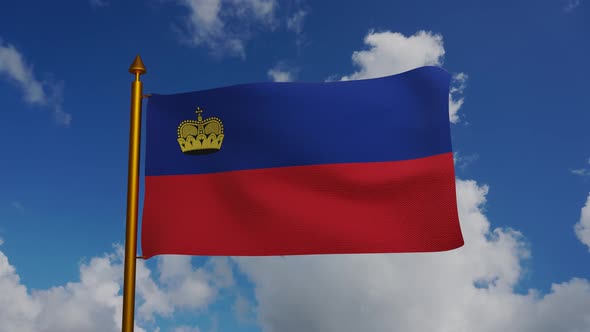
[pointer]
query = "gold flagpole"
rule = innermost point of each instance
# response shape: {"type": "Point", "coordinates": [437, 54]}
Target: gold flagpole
{"type": "Point", "coordinates": [137, 68]}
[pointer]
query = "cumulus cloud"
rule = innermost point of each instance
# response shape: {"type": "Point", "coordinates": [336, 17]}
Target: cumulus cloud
{"type": "Point", "coordinates": [223, 25]}
{"type": "Point", "coordinates": [471, 288]}
{"type": "Point", "coordinates": [14, 68]}
{"type": "Point", "coordinates": [94, 303]}
{"type": "Point", "coordinates": [582, 228]}
{"type": "Point", "coordinates": [467, 289]}
{"type": "Point", "coordinates": [186, 287]}
{"type": "Point", "coordinates": [392, 53]}
{"type": "Point", "coordinates": [223, 275]}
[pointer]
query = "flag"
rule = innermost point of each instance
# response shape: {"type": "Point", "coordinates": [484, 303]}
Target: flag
{"type": "Point", "coordinates": [361, 166]}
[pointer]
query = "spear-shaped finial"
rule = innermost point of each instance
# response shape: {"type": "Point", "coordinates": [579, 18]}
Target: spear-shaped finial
{"type": "Point", "coordinates": [137, 66]}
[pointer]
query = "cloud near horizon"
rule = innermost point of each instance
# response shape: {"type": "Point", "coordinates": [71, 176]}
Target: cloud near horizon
{"type": "Point", "coordinates": [467, 289]}
{"type": "Point", "coordinates": [472, 288]}
{"type": "Point", "coordinates": [94, 302]}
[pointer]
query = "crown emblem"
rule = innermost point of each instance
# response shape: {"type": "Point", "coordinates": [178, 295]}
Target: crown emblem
{"type": "Point", "coordinates": [200, 136]}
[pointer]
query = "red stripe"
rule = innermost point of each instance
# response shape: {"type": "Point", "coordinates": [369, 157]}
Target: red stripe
{"type": "Point", "coordinates": [403, 206]}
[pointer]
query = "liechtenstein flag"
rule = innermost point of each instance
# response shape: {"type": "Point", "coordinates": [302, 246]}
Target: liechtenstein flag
{"type": "Point", "coordinates": [302, 168]}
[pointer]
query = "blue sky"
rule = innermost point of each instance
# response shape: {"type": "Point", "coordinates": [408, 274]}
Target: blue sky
{"type": "Point", "coordinates": [519, 107]}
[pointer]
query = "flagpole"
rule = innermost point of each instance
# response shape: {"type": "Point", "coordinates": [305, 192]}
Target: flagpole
{"type": "Point", "coordinates": [137, 68]}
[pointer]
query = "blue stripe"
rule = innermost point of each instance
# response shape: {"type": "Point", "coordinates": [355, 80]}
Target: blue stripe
{"type": "Point", "coordinates": [398, 117]}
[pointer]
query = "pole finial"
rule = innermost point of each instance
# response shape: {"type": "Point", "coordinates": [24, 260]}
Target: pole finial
{"type": "Point", "coordinates": [137, 66]}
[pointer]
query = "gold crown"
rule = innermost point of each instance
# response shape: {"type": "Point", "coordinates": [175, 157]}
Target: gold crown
{"type": "Point", "coordinates": [201, 136]}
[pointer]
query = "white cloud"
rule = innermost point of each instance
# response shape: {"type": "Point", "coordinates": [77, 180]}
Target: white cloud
{"type": "Point", "coordinates": [155, 300]}
{"type": "Point", "coordinates": [12, 65]}
{"type": "Point", "coordinates": [467, 289]}
{"type": "Point", "coordinates": [283, 71]}
{"type": "Point", "coordinates": [185, 287]}
{"type": "Point", "coordinates": [223, 25]}
{"type": "Point", "coordinates": [222, 272]}
{"type": "Point", "coordinates": [94, 303]}
{"type": "Point", "coordinates": [456, 99]}
{"type": "Point", "coordinates": [581, 171]}
{"type": "Point", "coordinates": [279, 75]}
{"type": "Point", "coordinates": [18, 310]}
{"type": "Point", "coordinates": [582, 228]}
{"type": "Point", "coordinates": [392, 53]}
{"type": "Point", "coordinates": [471, 288]}
{"type": "Point", "coordinates": [14, 68]}
{"type": "Point", "coordinates": [295, 22]}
